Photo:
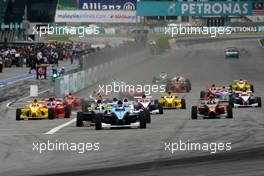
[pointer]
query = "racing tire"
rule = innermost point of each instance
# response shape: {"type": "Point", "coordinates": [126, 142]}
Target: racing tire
{"type": "Point", "coordinates": [229, 111]}
{"type": "Point", "coordinates": [147, 115]}
{"type": "Point", "coordinates": [142, 120]}
{"type": "Point", "coordinates": [18, 114]}
{"type": "Point", "coordinates": [183, 104]}
{"type": "Point", "coordinates": [259, 102]}
{"type": "Point", "coordinates": [188, 85]}
{"type": "Point", "coordinates": [67, 110]}
{"type": "Point", "coordinates": [160, 108]}
{"type": "Point", "coordinates": [51, 113]}
{"type": "Point", "coordinates": [252, 88]}
{"type": "Point", "coordinates": [231, 102]}
{"type": "Point", "coordinates": [202, 94]}
{"type": "Point", "coordinates": [98, 122]}
{"type": "Point", "coordinates": [79, 119]}
{"type": "Point", "coordinates": [194, 112]}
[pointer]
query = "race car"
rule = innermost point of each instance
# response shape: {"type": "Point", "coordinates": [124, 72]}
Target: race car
{"type": "Point", "coordinates": [153, 106]}
{"type": "Point", "coordinates": [35, 110]}
{"type": "Point", "coordinates": [61, 110]}
{"type": "Point", "coordinates": [211, 109]}
{"type": "Point", "coordinates": [171, 102]}
{"type": "Point", "coordinates": [72, 101]}
{"type": "Point", "coordinates": [90, 109]}
{"type": "Point", "coordinates": [130, 95]}
{"type": "Point", "coordinates": [221, 92]}
{"type": "Point", "coordinates": [163, 77]}
{"type": "Point", "coordinates": [148, 106]}
{"type": "Point", "coordinates": [245, 99]}
{"type": "Point", "coordinates": [178, 84]}
{"type": "Point", "coordinates": [231, 52]}
{"type": "Point", "coordinates": [121, 115]}
{"type": "Point", "coordinates": [241, 85]}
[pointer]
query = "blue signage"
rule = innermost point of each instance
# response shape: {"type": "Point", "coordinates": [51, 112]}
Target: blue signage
{"type": "Point", "coordinates": [154, 8]}
{"type": "Point", "coordinates": [107, 4]}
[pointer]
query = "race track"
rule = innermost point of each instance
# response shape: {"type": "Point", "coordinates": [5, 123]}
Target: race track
{"type": "Point", "coordinates": [141, 151]}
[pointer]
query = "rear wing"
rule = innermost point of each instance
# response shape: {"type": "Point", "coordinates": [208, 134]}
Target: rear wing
{"type": "Point", "coordinates": [139, 97]}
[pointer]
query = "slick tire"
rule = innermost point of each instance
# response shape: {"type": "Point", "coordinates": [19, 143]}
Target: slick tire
{"type": "Point", "coordinates": [183, 104]}
{"type": "Point", "coordinates": [98, 121]}
{"type": "Point", "coordinates": [67, 110]}
{"type": "Point", "coordinates": [142, 120]}
{"type": "Point", "coordinates": [18, 114]}
{"type": "Point", "coordinates": [252, 88]}
{"type": "Point", "coordinates": [79, 119]}
{"type": "Point", "coordinates": [160, 108]}
{"type": "Point", "coordinates": [259, 102]}
{"type": "Point", "coordinates": [51, 113]}
{"type": "Point", "coordinates": [194, 112]}
{"type": "Point", "coordinates": [188, 85]}
{"type": "Point", "coordinates": [231, 102]}
{"type": "Point", "coordinates": [147, 115]}
{"type": "Point", "coordinates": [229, 111]}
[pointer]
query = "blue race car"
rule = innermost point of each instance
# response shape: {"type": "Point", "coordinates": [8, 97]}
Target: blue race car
{"type": "Point", "coordinates": [245, 99]}
{"type": "Point", "coordinates": [121, 115]}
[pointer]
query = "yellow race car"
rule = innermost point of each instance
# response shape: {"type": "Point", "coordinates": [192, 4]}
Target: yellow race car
{"type": "Point", "coordinates": [171, 102]}
{"type": "Point", "coordinates": [35, 110]}
{"type": "Point", "coordinates": [241, 85]}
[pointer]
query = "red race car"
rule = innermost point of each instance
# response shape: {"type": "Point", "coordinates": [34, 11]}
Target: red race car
{"type": "Point", "coordinates": [61, 110]}
{"type": "Point", "coordinates": [211, 108]}
{"type": "Point", "coordinates": [178, 84]}
{"type": "Point", "coordinates": [72, 101]}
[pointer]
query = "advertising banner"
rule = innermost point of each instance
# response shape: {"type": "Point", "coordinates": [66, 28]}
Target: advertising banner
{"type": "Point", "coordinates": [165, 8]}
{"type": "Point", "coordinates": [96, 11]}
{"type": "Point", "coordinates": [96, 16]}
{"type": "Point", "coordinates": [107, 4]}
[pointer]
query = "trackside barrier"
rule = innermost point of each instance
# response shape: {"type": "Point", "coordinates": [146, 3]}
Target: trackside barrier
{"type": "Point", "coordinates": [103, 64]}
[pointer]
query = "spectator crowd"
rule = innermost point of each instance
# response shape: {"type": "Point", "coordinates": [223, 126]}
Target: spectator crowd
{"type": "Point", "coordinates": [32, 55]}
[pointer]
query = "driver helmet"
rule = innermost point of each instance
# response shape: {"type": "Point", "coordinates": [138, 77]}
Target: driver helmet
{"type": "Point", "coordinates": [119, 103]}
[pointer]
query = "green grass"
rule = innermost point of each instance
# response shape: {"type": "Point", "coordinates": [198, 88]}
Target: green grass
{"type": "Point", "coordinates": [262, 42]}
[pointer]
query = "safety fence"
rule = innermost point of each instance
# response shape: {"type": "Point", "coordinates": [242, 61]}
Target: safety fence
{"type": "Point", "coordinates": [98, 66]}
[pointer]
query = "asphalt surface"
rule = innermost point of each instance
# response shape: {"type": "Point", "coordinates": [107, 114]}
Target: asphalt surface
{"type": "Point", "coordinates": [142, 151]}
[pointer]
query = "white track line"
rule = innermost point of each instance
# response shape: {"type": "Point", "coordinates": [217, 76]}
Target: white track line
{"type": "Point", "coordinates": [56, 129]}
{"type": "Point", "coordinates": [8, 105]}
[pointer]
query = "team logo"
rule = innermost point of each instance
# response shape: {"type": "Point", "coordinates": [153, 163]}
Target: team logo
{"type": "Point", "coordinates": [129, 6]}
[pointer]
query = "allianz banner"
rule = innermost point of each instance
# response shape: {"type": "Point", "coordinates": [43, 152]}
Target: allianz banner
{"type": "Point", "coordinates": [154, 8]}
{"type": "Point", "coordinates": [107, 4]}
